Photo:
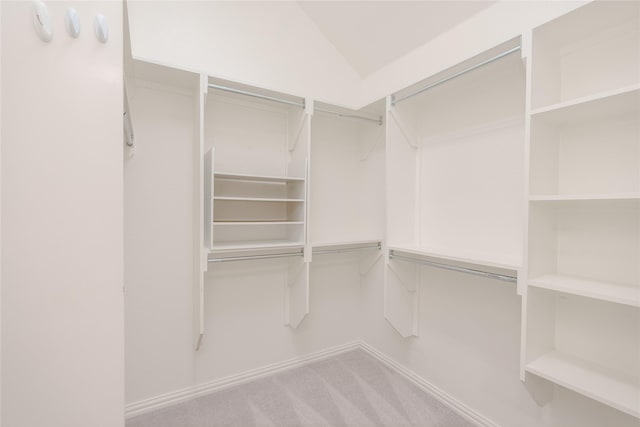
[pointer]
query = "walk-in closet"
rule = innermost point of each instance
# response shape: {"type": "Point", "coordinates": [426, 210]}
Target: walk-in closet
{"type": "Point", "coordinates": [307, 213]}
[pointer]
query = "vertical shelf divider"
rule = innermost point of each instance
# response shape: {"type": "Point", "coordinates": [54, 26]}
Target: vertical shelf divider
{"type": "Point", "coordinates": [200, 251]}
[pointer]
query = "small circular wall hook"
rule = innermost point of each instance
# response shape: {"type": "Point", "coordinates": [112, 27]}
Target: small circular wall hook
{"type": "Point", "coordinates": [42, 21]}
{"type": "Point", "coordinates": [101, 28]}
{"type": "Point", "coordinates": [72, 22]}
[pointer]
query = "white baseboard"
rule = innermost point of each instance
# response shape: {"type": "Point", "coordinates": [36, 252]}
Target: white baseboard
{"type": "Point", "coordinates": [174, 397]}
{"type": "Point", "coordinates": [448, 400]}
{"type": "Point", "coordinates": [168, 399]}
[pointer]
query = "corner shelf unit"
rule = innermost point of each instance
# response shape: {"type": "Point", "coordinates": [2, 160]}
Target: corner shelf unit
{"type": "Point", "coordinates": [581, 308]}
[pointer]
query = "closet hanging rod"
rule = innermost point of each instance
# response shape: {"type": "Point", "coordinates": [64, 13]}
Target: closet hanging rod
{"type": "Point", "coordinates": [254, 257]}
{"type": "Point", "coordinates": [355, 248]}
{"type": "Point", "coordinates": [395, 100]}
{"type": "Point", "coordinates": [257, 95]}
{"type": "Point", "coordinates": [481, 273]}
{"type": "Point", "coordinates": [350, 116]}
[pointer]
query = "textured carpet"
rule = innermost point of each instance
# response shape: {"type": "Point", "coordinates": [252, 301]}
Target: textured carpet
{"type": "Point", "coordinates": [350, 389]}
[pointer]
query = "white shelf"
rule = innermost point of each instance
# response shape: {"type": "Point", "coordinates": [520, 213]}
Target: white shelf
{"type": "Point", "coordinates": [221, 247]}
{"type": "Point", "coordinates": [616, 390]}
{"type": "Point", "coordinates": [612, 292]}
{"type": "Point", "coordinates": [503, 262]}
{"type": "Point", "coordinates": [586, 197]}
{"type": "Point", "coordinates": [355, 244]}
{"type": "Point", "coordinates": [217, 223]}
{"type": "Point", "coordinates": [349, 244]}
{"type": "Point", "coordinates": [258, 178]}
{"type": "Point", "coordinates": [603, 104]}
{"type": "Point", "coordinates": [256, 199]}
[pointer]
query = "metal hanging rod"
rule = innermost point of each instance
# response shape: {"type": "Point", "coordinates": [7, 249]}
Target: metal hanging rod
{"type": "Point", "coordinates": [257, 95]}
{"type": "Point", "coordinates": [355, 248]}
{"type": "Point", "coordinates": [254, 257]}
{"type": "Point", "coordinates": [395, 100]}
{"type": "Point", "coordinates": [350, 116]}
{"type": "Point", "coordinates": [481, 273]}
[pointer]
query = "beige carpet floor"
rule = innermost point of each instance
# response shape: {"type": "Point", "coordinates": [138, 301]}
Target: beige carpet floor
{"type": "Point", "coordinates": [350, 389]}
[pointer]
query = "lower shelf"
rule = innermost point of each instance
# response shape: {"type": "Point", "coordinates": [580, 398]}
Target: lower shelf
{"type": "Point", "coordinates": [611, 388]}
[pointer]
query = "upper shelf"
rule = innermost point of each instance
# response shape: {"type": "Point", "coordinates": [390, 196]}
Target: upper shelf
{"type": "Point", "coordinates": [256, 199]}
{"type": "Point", "coordinates": [604, 104]}
{"type": "Point", "coordinates": [257, 178]}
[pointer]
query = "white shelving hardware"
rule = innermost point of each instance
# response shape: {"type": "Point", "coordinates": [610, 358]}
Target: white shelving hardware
{"type": "Point", "coordinates": [262, 209]}
{"type": "Point", "coordinates": [256, 184]}
{"type": "Point", "coordinates": [455, 176]}
{"type": "Point", "coordinates": [581, 308]}
{"type": "Point", "coordinates": [511, 264]}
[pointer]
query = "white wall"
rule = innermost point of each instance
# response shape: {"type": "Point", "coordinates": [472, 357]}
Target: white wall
{"type": "Point", "coordinates": [287, 52]}
{"type": "Point", "coordinates": [158, 219]}
{"type": "Point", "coordinates": [491, 27]}
{"type": "Point", "coordinates": [233, 40]}
{"type": "Point", "coordinates": [62, 263]}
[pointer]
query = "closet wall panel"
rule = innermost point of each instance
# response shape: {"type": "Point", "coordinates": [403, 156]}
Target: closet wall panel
{"type": "Point", "coordinates": [158, 189]}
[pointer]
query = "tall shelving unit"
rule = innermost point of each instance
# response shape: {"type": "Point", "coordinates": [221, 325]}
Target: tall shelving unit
{"type": "Point", "coordinates": [455, 177]}
{"type": "Point", "coordinates": [581, 317]}
{"type": "Point", "coordinates": [255, 158]}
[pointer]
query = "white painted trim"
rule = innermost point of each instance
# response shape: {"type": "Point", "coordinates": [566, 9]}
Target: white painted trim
{"type": "Point", "coordinates": [448, 400]}
{"type": "Point", "coordinates": [174, 397]}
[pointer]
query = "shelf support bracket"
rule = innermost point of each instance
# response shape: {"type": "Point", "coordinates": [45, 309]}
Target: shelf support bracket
{"type": "Point", "coordinates": [368, 261]}
{"type": "Point", "coordinates": [296, 292]}
{"type": "Point", "coordinates": [298, 133]}
{"type": "Point", "coordinates": [372, 148]}
{"type": "Point", "coordinates": [402, 126]}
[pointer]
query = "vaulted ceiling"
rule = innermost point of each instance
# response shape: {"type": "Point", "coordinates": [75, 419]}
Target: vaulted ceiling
{"type": "Point", "coordinates": [372, 34]}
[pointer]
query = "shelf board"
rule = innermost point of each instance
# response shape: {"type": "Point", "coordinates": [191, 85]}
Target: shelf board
{"type": "Point", "coordinates": [613, 389]}
{"type": "Point", "coordinates": [502, 262]}
{"type": "Point", "coordinates": [256, 199]}
{"type": "Point", "coordinates": [603, 104]}
{"type": "Point", "coordinates": [349, 245]}
{"type": "Point", "coordinates": [258, 223]}
{"type": "Point", "coordinates": [221, 247]}
{"type": "Point", "coordinates": [569, 197]}
{"type": "Point", "coordinates": [257, 178]}
{"type": "Point", "coordinates": [346, 243]}
{"type": "Point", "coordinates": [606, 291]}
